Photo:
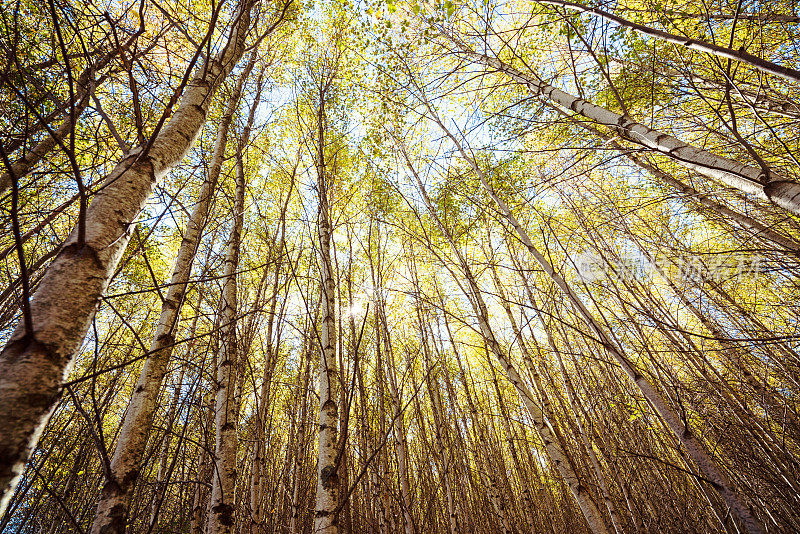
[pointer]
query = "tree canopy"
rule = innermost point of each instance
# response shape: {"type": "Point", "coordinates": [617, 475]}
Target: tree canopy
{"type": "Point", "coordinates": [399, 266]}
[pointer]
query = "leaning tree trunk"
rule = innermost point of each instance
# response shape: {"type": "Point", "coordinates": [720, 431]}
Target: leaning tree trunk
{"type": "Point", "coordinates": [395, 393]}
{"type": "Point", "coordinates": [557, 455]}
{"type": "Point", "coordinates": [161, 489]}
{"type": "Point", "coordinates": [762, 183]}
{"type": "Point", "coordinates": [259, 465]}
{"type": "Point", "coordinates": [694, 447]}
{"type": "Point", "coordinates": [114, 502]}
{"type": "Point", "coordinates": [761, 230]}
{"type": "Point", "coordinates": [34, 362]}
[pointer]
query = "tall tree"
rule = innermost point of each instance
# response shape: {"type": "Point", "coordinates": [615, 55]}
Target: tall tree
{"type": "Point", "coordinates": [40, 352]}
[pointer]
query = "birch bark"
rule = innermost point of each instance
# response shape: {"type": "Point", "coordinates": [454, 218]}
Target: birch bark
{"type": "Point", "coordinates": [112, 507]}
{"type": "Point", "coordinates": [761, 183]}
{"type": "Point", "coordinates": [300, 437]}
{"type": "Point", "coordinates": [33, 364]}
{"type": "Point", "coordinates": [327, 495]}
{"type": "Point", "coordinates": [694, 447]}
{"type": "Point", "coordinates": [222, 506]}
{"type": "Point", "coordinates": [589, 509]}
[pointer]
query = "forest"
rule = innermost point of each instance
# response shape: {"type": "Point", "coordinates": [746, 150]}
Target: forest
{"type": "Point", "coordinates": [399, 266]}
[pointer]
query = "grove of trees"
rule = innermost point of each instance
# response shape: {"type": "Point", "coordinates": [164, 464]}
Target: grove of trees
{"type": "Point", "coordinates": [399, 266]}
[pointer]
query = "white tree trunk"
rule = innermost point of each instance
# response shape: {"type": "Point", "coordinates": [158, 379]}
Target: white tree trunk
{"type": "Point", "coordinates": [695, 448]}
{"type": "Point", "coordinates": [222, 506]}
{"type": "Point", "coordinates": [300, 437]}
{"type": "Point", "coordinates": [557, 456]}
{"type": "Point", "coordinates": [112, 507]}
{"type": "Point", "coordinates": [34, 364]}
{"type": "Point", "coordinates": [327, 495]}
{"type": "Point", "coordinates": [770, 186]}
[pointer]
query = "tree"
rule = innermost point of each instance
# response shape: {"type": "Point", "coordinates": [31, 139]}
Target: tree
{"type": "Point", "coordinates": [396, 280]}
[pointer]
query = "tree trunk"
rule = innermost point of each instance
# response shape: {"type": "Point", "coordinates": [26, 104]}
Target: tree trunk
{"type": "Point", "coordinates": [765, 185]}
{"type": "Point", "coordinates": [112, 507]}
{"type": "Point", "coordinates": [222, 507]}
{"type": "Point", "coordinates": [34, 364]}
{"type": "Point", "coordinates": [327, 495]}
{"type": "Point", "coordinates": [693, 445]}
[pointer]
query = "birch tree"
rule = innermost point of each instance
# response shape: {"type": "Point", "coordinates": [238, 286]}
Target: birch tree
{"type": "Point", "coordinates": [39, 353]}
{"type": "Point", "coordinates": [391, 281]}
